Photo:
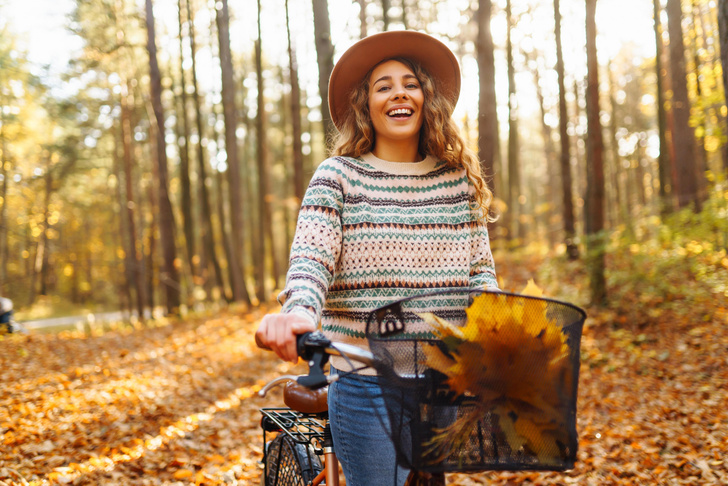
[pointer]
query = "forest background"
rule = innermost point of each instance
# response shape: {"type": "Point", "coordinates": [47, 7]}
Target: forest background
{"type": "Point", "coordinates": [162, 166]}
{"type": "Point", "coordinates": [153, 157]}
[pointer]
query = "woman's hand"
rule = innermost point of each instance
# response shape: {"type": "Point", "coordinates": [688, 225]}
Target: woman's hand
{"type": "Point", "coordinates": [278, 332]}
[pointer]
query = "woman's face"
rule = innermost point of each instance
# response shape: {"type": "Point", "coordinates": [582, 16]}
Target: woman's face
{"type": "Point", "coordinates": [396, 101]}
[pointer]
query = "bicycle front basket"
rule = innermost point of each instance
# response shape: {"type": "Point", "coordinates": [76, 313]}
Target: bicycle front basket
{"type": "Point", "coordinates": [479, 380]}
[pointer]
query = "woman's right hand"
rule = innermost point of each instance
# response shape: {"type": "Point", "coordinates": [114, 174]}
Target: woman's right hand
{"type": "Point", "coordinates": [278, 332]}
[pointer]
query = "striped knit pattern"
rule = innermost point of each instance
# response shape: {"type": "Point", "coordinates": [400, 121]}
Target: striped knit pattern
{"type": "Point", "coordinates": [370, 232]}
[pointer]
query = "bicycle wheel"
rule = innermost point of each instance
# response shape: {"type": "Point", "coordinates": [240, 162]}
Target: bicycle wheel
{"type": "Point", "coordinates": [289, 463]}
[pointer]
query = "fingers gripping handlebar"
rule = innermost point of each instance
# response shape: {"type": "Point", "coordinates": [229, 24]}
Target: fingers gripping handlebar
{"type": "Point", "coordinates": [316, 348]}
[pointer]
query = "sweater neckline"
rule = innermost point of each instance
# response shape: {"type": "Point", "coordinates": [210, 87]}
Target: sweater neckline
{"type": "Point", "coordinates": [401, 168]}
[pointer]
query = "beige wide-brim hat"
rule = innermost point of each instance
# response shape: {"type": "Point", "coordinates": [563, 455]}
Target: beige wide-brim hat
{"type": "Point", "coordinates": [437, 59]}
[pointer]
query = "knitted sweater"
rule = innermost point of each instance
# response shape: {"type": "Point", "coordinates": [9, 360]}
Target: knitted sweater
{"type": "Point", "coordinates": [370, 232]}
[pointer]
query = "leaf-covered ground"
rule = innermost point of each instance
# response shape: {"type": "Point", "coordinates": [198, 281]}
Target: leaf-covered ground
{"type": "Point", "coordinates": [176, 404]}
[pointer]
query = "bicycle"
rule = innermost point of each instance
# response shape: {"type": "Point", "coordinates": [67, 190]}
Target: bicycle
{"type": "Point", "coordinates": [400, 341]}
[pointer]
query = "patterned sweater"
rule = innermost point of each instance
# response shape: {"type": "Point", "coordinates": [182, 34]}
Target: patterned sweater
{"type": "Point", "coordinates": [370, 232]}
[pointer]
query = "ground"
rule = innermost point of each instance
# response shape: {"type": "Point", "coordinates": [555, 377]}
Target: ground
{"type": "Point", "coordinates": [176, 403]}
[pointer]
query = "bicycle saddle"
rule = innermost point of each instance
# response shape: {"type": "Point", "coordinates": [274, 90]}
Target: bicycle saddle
{"type": "Point", "coordinates": [305, 400]}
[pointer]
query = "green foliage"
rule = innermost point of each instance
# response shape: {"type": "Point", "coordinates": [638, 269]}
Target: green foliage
{"type": "Point", "coordinates": [678, 264]}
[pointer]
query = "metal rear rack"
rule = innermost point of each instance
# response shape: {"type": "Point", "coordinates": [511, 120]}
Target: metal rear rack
{"type": "Point", "coordinates": [303, 428]}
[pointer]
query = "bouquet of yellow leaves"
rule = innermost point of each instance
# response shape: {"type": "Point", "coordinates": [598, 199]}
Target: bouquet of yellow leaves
{"type": "Point", "coordinates": [513, 359]}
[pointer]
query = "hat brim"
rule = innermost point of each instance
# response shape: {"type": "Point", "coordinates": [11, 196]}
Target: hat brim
{"type": "Point", "coordinates": [434, 56]}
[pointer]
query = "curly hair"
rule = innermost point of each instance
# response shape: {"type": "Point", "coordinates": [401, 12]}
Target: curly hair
{"type": "Point", "coordinates": [439, 135]}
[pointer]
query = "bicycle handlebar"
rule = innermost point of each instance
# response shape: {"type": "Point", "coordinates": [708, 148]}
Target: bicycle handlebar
{"type": "Point", "coordinates": [316, 348]}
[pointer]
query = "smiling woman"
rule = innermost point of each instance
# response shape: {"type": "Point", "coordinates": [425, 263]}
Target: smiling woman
{"type": "Point", "coordinates": [400, 207]}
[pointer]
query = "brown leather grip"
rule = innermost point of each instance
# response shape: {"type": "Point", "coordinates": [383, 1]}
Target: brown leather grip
{"type": "Point", "coordinates": [304, 400]}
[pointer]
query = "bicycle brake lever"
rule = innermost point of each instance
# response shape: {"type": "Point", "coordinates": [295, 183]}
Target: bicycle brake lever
{"type": "Point", "coordinates": [316, 378]}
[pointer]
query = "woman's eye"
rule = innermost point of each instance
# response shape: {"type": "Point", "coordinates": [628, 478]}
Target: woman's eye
{"type": "Point", "coordinates": [412, 86]}
{"type": "Point", "coordinates": [383, 88]}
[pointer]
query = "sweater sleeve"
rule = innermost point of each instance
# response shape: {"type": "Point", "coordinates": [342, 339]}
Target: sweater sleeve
{"type": "Point", "coordinates": [482, 266]}
{"type": "Point", "coordinates": [316, 245]}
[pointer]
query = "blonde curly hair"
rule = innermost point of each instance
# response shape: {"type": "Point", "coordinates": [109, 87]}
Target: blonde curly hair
{"type": "Point", "coordinates": [439, 136]}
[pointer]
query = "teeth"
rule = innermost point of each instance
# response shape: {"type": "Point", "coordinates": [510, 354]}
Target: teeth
{"type": "Point", "coordinates": [400, 111]}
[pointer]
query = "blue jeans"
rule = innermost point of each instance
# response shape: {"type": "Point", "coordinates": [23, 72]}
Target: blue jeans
{"type": "Point", "coordinates": [360, 428]}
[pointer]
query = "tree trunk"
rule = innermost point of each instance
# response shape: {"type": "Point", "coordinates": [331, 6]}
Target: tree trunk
{"type": "Point", "coordinates": [488, 143]}
{"type": "Point", "coordinates": [385, 14]}
{"type": "Point", "coordinates": [515, 226]}
{"type": "Point", "coordinates": [240, 291]}
{"type": "Point", "coordinates": [135, 260]}
{"type": "Point", "coordinates": [150, 253]}
{"type": "Point", "coordinates": [683, 137]}
{"type": "Point", "coordinates": [41, 257]}
{"type": "Point", "coordinates": [4, 253]}
{"type": "Point", "coordinates": [723, 33]}
{"type": "Point", "coordinates": [362, 18]}
{"type": "Point", "coordinates": [208, 240]}
{"type": "Point", "coordinates": [567, 205]}
{"type": "Point", "coordinates": [616, 215]}
{"type": "Point", "coordinates": [551, 162]}
{"type": "Point", "coordinates": [265, 196]}
{"type": "Point", "coordinates": [123, 234]}
{"type": "Point", "coordinates": [595, 171]}
{"type": "Point", "coordinates": [701, 154]}
{"type": "Point", "coordinates": [663, 161]}
{"type": "Point", "coordinates": [170, 276]}
{"type": "Point", "coordinates": [188, 220]}
{"type": "Point", "coordinates": [325, 57]}
{"type": "Point", "coordinates": [299, 185]}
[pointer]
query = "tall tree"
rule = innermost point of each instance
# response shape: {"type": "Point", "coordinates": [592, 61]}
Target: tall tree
{"type": "Point", "coordinates": [325, 57]}
{"type": "Point", "coordinates": [170, 277]}
{"type": "Point", "coordinates": [663, 160]}
{"type": "Point", "coordinates": [385, 14]}
{"type": "Point", "coordinates": [237, 252]}
{"type": "Point", "coordinates": [188, 220]}
{"type": "Point", "coordinates": [362, 18]}
{"type": "Point", "coordinates": [516, 229]}
{"type": "Point", "coordinates": [134, 244]}
{"type": "Point", "coordinates": [488, 143]}
{"type": "Point", "coordinates": [567, 205]}
{"type": "Point", "coordinates": [266, 238]}
{"type": "Point", "coordinates": [595, 171]}
{"type": "Point", "coordinates": [723, 33]}
{"type": "Point", "coordinates": [683, 138]}
{"type": "Point", "coordinates": [551, 158]}
{"type": "Point", "coordinates": [298, 177]}
{"type": "Point", "coordinates": [208, 239]}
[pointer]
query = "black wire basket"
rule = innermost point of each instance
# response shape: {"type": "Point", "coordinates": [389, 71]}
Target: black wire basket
{"type": "Point", "coordinates": [479, 380]}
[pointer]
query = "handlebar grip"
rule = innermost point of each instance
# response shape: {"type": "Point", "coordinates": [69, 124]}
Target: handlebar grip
{"type": "Point", "coordinates": [301, 344]}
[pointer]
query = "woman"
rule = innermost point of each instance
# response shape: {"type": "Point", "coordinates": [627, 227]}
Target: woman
{"type": "Point", "coordinates": [400, 208]}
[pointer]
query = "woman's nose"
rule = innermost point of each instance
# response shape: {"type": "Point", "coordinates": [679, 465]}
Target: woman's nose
{"type": "Point", "coordinates": [398, 93]}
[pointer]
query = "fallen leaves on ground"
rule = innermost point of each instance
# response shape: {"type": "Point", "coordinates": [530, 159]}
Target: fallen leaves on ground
{"type": "Point", "coordinates": [176, 405]}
